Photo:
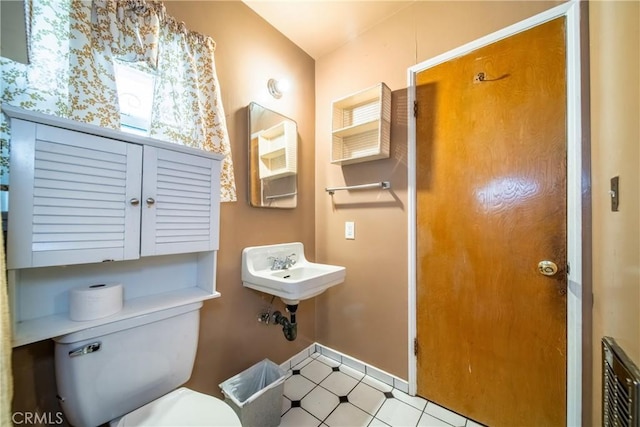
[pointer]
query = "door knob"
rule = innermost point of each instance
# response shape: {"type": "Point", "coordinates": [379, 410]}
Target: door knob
{"type": "Point", "coordinates": [150, 201]}
{"type": "Point", "coordinates": [548, 268]}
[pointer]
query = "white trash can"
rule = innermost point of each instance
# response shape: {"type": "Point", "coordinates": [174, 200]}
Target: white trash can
{"type": "Point", "coordinates": [255, 394]}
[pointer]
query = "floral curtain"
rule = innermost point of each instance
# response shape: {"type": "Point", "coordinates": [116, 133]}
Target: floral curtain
{"type": "Point", "coordinates": [69, 72]}
{"type": "Point", "coordinates": [68, 75]}
{"type": "Point", "coordinates": [187, 105]}
{"type": "Point", "coordinates": [72, 48]}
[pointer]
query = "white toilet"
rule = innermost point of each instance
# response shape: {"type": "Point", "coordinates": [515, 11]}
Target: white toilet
{"type": "Point", "coordinates": [127, 372]}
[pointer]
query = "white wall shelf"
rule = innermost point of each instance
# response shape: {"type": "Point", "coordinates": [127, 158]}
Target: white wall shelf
{"type": "Point", "coordinates": [361, 126]}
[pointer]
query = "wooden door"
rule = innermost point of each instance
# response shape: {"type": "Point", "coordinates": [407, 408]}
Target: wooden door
{"type": "Point", "coordinates": [491, 204]}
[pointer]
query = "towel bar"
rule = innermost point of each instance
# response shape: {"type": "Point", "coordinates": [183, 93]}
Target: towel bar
{"type": "Point", "coordinates": [385, 185]}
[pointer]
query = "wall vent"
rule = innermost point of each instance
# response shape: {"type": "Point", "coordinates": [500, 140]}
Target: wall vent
{"type": "Point", "coordinates": [620, 387]}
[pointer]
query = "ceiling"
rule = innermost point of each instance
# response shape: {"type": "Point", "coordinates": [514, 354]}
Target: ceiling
{"type": "Point", "coordinates": [321, 26]}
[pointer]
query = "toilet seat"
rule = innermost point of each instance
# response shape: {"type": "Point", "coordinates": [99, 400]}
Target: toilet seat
{"type": "Point", "coordinates": [182, 407]}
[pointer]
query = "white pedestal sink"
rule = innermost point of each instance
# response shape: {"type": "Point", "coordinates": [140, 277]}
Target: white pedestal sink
{"type": "Point", "coordinates": [282, 270]}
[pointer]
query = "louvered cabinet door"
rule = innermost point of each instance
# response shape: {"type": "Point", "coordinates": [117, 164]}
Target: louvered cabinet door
{"type": "Point", "coordinates": [71, 197]}
{"type": "Point", "coordinates": [180, 203]}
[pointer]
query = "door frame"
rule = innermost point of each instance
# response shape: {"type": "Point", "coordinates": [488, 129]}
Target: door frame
{"type": "Point", "coordinates": [575, 183]}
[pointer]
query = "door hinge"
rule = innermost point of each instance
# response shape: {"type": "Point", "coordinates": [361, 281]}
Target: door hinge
{"type": "Point", "coordinates": [415, 109]}
{"type": "Point", "coordinates": [415, 346]}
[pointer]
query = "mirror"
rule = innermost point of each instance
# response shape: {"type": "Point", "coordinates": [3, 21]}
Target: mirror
{"type": "Point", "coordinates": [273, 157]}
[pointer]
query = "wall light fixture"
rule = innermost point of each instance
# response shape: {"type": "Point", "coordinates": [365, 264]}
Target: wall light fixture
{"type": "Point", "coordinates": [277, 87]}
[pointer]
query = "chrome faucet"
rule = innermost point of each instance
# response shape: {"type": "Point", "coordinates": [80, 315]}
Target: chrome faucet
{"type": "Point", "coordinates": [283, 263]}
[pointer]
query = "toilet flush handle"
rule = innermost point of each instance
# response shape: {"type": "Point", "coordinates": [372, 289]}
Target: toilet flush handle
{"type": "Point", "coordinates": [86, 349]}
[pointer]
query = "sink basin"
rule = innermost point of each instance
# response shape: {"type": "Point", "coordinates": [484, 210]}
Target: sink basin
{"type": "Point", "coordinates": [299, 281]}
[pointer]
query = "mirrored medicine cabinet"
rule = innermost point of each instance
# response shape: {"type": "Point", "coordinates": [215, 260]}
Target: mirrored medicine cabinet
{"type": "Point", "coordinates": [273, 157]}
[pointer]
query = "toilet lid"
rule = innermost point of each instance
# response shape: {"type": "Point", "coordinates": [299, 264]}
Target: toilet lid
{"type": "Point", "coordinates": [182, 407]}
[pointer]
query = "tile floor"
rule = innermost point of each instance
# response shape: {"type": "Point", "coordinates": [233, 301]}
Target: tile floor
{"type": "Point", "coordinates": [324, 392]}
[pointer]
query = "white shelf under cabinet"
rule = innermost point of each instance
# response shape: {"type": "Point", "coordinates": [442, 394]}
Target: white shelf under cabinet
{"type": "Point", "coordinates": [40, 303]}
{"type": "Point", "coordinates": [59, 324]}
{"type": "Point", "coordinates": [361, 126]}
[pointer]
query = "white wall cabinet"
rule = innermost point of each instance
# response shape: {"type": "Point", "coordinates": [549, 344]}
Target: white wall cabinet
{"type": "Point", "coordinates": [361, 126]}
{"type": "Point", "coordinates": [82, 196]}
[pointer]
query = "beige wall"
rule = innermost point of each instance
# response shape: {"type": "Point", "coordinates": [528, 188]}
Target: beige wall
{"type": "Point", "coordinates": [615, 140]}
{"type": "Point", "coordinates": [366, 317]}
{"type": "Point", "coordinates": [248, 53]}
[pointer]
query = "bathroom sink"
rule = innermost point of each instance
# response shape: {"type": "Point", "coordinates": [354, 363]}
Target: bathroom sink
{"type": "Point", "coordinates": [282, 270]}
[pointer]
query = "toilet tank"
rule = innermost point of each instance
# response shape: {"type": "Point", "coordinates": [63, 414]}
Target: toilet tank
{"type": "Point", "coordinates": [109, 370]}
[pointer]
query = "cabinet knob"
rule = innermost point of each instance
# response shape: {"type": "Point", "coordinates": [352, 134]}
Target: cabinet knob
{"type": "Point", "coordinates": [150, 201]}
{"type": "Point", "coordinates": [134, 202]}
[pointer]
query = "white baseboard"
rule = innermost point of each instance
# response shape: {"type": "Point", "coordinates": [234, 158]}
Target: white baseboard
{"type": "Point", "coordinates": [349, 361]}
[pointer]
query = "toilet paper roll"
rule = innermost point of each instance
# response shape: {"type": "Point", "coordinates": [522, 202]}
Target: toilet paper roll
{"type": "Point", "coordinates": [95, 301]}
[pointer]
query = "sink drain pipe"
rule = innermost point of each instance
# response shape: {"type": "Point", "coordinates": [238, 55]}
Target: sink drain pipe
{"type": "Point", "coordinates": [289, 327]}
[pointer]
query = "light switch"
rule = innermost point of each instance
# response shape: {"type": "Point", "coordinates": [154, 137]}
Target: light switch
{"type": "Point", "coordinates": [349, 230]}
